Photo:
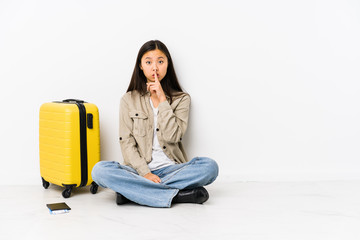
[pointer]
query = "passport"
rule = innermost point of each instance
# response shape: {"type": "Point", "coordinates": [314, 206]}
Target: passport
{"type": "Point", "coordinates": [57, 208]}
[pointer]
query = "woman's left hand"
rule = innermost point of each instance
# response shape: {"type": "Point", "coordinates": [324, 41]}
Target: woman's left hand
{"type": "Point", "coordinates": [155, 88]}
{"type": "Point", "coordinates": [152, 177]}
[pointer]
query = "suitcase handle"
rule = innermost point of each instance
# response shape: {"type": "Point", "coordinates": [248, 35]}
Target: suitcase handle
{"type": "Point", "coordinates": [90, 121]}
{"type": "Point", "coordinates": [74, 100]}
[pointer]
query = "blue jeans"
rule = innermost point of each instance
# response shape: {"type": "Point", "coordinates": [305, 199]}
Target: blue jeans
{"type": "Point", "coordinates": [125, 180]}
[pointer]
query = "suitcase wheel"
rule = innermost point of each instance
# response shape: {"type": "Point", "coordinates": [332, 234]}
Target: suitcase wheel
{"type": "Point", "coordinates": [94, 187]}
{"type": "Point", "coordinates": [46, 184]}
{"type": "Point", "coordinates": [67, 192]}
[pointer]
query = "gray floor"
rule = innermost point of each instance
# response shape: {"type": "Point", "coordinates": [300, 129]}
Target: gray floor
{"type": "Point", "coordinates": [235, 210]}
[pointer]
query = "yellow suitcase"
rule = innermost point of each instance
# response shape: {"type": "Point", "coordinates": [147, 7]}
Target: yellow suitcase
{"type": "Point", "coordinates": [69, 143]}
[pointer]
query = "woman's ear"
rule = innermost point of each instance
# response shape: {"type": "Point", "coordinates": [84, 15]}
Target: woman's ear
{"type": "Point", "coordinates": [141, 67]}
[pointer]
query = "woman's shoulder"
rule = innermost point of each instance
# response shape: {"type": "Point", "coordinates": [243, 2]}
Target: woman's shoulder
{"type": "Point", "coordinates": [181, 96]}
{"type": "Point", "coordinates": [131, 98]}
{"type": "Point", "coordinates": [131, 95]}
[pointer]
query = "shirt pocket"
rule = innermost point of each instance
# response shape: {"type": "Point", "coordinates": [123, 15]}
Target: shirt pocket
{"type": "Point", "coordinates": [139, 122]}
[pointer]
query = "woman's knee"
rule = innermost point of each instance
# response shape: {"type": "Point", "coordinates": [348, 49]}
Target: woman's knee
{"type": "Point", "coordinates": [211, 167]}
{"type": "Point", "coordinates": [95, 171]}
{"type": "Point", "coordinates": [98, 170]}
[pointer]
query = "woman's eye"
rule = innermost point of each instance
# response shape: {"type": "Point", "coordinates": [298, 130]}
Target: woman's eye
{"type": "Point", "coordinates": [161, 61]}
{"type": "Point", "coordinates": [148, 62]}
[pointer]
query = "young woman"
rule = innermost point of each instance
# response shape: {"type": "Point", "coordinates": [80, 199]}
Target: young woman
{"type": "Point", "coordinates": [154, 115]}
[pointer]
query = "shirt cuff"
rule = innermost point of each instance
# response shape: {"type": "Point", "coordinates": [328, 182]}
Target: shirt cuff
{"type": "Point", "coordinates": [143, 170]}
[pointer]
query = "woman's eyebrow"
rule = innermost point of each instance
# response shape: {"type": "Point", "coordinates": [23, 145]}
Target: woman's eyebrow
{"type": "Point", "coordinates": [151, 57]}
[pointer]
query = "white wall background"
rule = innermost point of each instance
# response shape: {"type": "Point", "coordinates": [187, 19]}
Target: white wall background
{"type": "Point", "coordinates": [274, 84]}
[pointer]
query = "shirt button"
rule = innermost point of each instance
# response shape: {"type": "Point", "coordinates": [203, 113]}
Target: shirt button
{"type": "Point", "coordinates": [136, 114]}
{"type": "Point", "coordinates": [120, 138]}
{"type": "Point", "coordinates": [157, 129]}
{"type": "Point", "coordinates": [164, 147]}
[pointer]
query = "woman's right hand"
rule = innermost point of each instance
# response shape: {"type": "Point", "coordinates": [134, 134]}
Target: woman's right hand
{"type": "Point", "coordinates": [152, 177]}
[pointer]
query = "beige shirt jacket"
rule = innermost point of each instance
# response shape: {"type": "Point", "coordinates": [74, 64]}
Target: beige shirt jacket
{"type": "Point", "coordinates": [136, 128]}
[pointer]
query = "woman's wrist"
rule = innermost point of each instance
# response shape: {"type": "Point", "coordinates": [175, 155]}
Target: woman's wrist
{"type": "Point", "coordinates": [162, 98]}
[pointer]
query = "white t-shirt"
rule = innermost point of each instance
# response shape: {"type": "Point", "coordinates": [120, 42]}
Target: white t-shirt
{"type": "Point", "coordinates": [158, 157]}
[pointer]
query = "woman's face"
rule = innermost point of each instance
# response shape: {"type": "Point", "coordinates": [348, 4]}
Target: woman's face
{"type": "Point", "coordinates": [154, 62]}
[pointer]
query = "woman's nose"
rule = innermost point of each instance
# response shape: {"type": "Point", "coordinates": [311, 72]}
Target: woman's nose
{"type": "Point", "coordinates": [155, 67]}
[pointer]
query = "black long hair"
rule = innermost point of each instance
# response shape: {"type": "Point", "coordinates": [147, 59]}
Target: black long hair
{"type": "Point", "coordinates": [169, 83]}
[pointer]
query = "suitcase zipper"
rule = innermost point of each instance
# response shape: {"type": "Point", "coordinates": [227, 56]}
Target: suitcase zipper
{"type": "Point", "coordinates": [83, 145]}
